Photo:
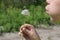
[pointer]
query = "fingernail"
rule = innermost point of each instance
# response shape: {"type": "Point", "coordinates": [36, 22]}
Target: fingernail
{"type": "Point", "coordinates": [23, 28]}
{"type": "Point", "coordinates": [21, 31]}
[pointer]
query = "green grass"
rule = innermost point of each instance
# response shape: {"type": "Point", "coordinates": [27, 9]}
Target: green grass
{"type": "Point", "coordinates": [11, 18]}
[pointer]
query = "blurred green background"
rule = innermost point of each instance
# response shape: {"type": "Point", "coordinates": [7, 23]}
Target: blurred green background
{"type": "Point", "coordinates": [11, 18]}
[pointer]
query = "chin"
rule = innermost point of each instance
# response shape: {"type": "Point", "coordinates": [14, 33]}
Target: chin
{"type": "Point", "coordinates": [54, 19]}
{"type": "Point", "coordinates": [51, 19]}
{"type": "Point", "coordinates": [48, 13]}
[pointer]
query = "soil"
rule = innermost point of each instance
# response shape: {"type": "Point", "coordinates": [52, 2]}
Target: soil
{"type": "Point", "coordinates": [45, 34]}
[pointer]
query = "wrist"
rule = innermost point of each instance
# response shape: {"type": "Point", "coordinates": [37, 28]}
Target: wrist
{"type": "Point", "coordinates": [37, 38]}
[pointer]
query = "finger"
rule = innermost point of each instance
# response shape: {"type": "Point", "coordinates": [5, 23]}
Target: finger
{"type": "Point", "coordinates": [23, 31]}
{"type": "Point", "coordinates": [26, 31]}
{"type": "Point", "coordinates": [28, 26]}
{"type": "Point", "coordinates": [24, 35]}
{"type": "Point", "coordinates": [20, 33]}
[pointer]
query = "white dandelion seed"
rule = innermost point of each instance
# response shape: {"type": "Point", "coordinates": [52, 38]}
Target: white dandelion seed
{"type": "Point", "coordinates": [25, 12]}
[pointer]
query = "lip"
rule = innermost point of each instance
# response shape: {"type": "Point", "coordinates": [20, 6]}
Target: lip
{"type": "Point", "coordinates": [46, 10]}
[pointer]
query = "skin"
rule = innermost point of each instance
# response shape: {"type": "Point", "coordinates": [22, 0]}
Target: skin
{"type": "Point", "coordinates": [28, 32]}
{"type": "Point", "coordinates": [52, 9]}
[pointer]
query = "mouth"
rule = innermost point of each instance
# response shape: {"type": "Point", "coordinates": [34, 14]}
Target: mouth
{"type": "Point", "coordinates": [46, 10]}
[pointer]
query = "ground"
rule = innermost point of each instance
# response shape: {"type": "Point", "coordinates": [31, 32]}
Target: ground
{"type": "Point", "coordinates": [45, 34]}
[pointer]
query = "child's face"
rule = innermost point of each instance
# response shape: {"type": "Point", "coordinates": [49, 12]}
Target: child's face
{"type": "Point", "coordinates": [53, 9]}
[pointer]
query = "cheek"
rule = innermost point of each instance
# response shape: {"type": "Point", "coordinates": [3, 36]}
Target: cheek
{"type": "Point", "coordinates": [54, 10]}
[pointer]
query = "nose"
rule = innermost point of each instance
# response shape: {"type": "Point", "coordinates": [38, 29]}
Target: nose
{"type": "Point", "coordinates": [48, 1]}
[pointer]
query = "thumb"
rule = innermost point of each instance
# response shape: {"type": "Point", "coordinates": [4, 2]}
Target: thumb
{"type": "Point", "coordinates": [26, 31]}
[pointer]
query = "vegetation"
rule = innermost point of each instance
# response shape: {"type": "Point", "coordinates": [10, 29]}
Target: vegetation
{"type": "Point", "coordinates": [11, 18]}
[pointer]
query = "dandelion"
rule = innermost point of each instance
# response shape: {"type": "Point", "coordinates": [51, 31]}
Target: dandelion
{"type": "Point", "coordinates": [25, 12]}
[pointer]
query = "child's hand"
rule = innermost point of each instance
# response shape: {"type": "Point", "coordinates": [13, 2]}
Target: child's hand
{"type": "Point", "coordinates": [28, 32]}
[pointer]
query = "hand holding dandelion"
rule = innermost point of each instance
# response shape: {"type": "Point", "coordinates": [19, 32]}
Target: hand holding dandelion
{"type": "Point", "coordinates": [28, 32]}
